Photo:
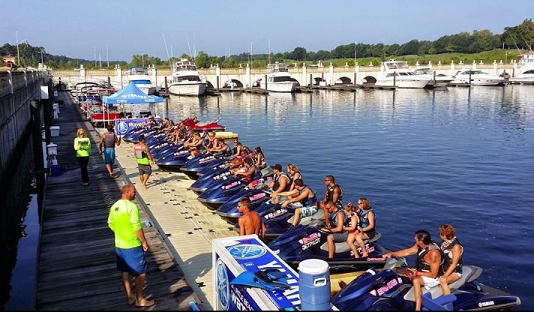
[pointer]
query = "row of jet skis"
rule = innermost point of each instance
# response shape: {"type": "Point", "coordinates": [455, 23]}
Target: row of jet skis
{"type": "Point", "coordinates": [383, 286]}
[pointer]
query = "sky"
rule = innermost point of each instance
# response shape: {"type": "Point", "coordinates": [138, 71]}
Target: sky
{"type": "Point", "coordinates": [118, 29]}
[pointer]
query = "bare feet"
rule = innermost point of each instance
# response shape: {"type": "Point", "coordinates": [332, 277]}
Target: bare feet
{"type": "Point", "coordinates": [356, 256]}
{"type": "Point", "coordinates": [365, 255]}
{"type": "Point", "coordinates": [144, 303]}
{"type": "Point", "coordinates": [131, 300]}
{"type": "Point", "coordinates": [144, 186]}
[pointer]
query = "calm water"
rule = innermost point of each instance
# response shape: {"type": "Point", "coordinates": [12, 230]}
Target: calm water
{"type": "Point", "coordinates": [423, 158]}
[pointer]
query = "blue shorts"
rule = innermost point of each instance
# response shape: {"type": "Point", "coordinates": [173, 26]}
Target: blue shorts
{"type": "Point", "coordinates": [131, 260]}
{"type": "Point", "coordinates": [308, 211]}
{"type": "Point", "coordinates": [109, 156]}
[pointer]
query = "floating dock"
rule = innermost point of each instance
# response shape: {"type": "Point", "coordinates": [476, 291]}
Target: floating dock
{"type": "Point", "coordinates": [77, 262]}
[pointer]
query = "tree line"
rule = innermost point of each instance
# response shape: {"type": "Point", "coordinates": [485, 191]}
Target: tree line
{"type": "Point", "coordinates": [520, 37]}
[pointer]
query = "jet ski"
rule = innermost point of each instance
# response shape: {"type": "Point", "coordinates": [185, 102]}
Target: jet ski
{"type": "Point", "coordinates": [228, 211]}
{"type": "Point", "coordinates": [196, 125]}
{"type": "Point", "coordinates": [278, 220]}
{"type": "Point", "coordinates": [307, 242]}
{"type": "Point", "coordinates": [174, 161]}
{"type": "Point", "coordinates": [217, 196]}
{"type": "Point", "coordinates": [210, 180]}
{"type": "Point", "coordinates": [192, 166]}
{"type": "Point", "coordinates": [391, 290]}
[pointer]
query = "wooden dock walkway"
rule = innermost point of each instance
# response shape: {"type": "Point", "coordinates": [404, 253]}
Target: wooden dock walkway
{"type": "Point", "coordinates": [77, 268]}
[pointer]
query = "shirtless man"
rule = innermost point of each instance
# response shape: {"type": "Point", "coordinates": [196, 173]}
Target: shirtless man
{"type": "Point", "coordinates": [250, 222]}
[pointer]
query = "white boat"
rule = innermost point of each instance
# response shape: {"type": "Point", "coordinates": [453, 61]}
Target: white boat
{"type": "Point", "coordinates": [439, 80]}
{"type": "Point", "coordinates": [526, 71]}
{"type": "Point", "coordinates": [140, 77]}
{"type": "Point", "coordinates": [397, 74]}
{"type": "Point", "coordinates": [186, 80]}
{"type": "Point", "coordinates": [478, 78]}
{"type": "Point", "coordinates": [278, 79]}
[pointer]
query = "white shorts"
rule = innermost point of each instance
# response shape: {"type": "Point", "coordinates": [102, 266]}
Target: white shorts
{"type": "Point", "coordinates": [430, 282]}
{"type": "Point", "coordinates": [308, 211]}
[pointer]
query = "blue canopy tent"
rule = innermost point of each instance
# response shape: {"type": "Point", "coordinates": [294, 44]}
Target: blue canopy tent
{"type": "Point", "coordinates": [131, 94]}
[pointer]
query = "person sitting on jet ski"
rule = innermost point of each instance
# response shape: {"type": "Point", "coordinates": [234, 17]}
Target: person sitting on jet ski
{"type": "Point", "coordinates": [452, 257]}
{"type": "Point", "coordinates": [259, 158]}
{"type": "Point", "coordinates": [293, 174]}
{"type": "Point", "coordinates": [219, 147]}
{"type": "Point", "coordinates": [366, 228]}
{"type": "Point", "coordinates": [427, 264]}
{"type": "Point", "coordinates": [334, 193]}
{"type": "Point", "coordinates": [338, 219]}
{"type": "Point", "coordinates": [281, 182]}
{"type": "Point", "coordinates": [306, 197]}
{"type": "Point", "coordinates": [250, 172]}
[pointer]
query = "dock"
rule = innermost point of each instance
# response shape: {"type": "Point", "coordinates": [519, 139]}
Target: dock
{"type": "Point", "coordinates": [77, 262]}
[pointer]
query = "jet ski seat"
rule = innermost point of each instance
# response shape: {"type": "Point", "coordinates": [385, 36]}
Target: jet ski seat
{"type": "Point", "coordinates": [469, 274]}
{"type": "Point", "coordinates": [344, 247]}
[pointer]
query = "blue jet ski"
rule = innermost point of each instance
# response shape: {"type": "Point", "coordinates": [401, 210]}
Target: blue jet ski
{"type": "Point", "coordinates": [212, 179]}
{"type": "Point", "coordinates": [278, 220]}
{"type": "Point", "coordinates": [309, 242]}
{"type": "Point", "coordinates": [391, 290]}
{"type": "Point", "coordinates": [174, 161]}
{"type": "Point", "coordinates": [228, 210]}
{"type": "Point", "coordinates": [192, 166]}
{"type": "Point", "coordinates": [217, 196]}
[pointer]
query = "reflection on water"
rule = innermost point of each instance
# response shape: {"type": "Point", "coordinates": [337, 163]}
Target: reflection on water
{"type": "Point", "coordinates": [19, 234]}
{"type": "Point", "coordinates": [423, 158]}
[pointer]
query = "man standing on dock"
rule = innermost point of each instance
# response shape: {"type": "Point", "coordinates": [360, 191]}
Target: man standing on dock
{"type": "Point", "coordinates": [130, 245]}
{"type": "Point", "coordinates": [250, 222]}
{"type": "Point", "coordinates": [107, 147]}
{"type": "Point", "coordinates": [144, 159]}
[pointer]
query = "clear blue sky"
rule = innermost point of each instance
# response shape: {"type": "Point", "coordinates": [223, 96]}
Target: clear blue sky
{"type": "Point", "coordinates": [76, 28]}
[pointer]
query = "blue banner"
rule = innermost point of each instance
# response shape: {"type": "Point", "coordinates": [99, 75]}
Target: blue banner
{"type": "Point", "coordinates": [122, 126]}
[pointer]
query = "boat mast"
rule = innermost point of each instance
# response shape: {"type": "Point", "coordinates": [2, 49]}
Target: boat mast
{"type": "Point", "coordinates": [18, 51]}
{"type": "Point", "coordinates": [269, 55]}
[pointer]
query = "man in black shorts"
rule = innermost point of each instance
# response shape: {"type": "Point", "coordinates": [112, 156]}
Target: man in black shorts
{"type": "Point", "coordinates": [144, 159]}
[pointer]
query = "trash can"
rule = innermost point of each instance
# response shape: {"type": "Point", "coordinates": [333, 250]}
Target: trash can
{"type": "Point", "coordinates": [54, 131]}
{"type": "Point", "coordinates": [314, 285]}
{"type": "Point", "coordinates": [55, 170]}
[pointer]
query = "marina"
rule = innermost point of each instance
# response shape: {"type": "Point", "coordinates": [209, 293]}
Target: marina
{"type": "Point", "coordinates": [180, 228]}
{"type": "Point", "coordinates": [375, 165]}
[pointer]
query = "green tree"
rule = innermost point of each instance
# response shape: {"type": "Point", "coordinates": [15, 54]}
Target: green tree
{"type": "Point", "coordinates": [202, 60]}
{"type": "Point", "coordinates": [299, 54]}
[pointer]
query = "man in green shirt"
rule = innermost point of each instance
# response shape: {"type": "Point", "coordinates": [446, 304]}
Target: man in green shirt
{"type": "Point", "coordinates": [130, 245]}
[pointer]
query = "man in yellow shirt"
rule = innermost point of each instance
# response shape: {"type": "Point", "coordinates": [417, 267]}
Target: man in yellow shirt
{"type": "Point", "coordinates": [130, 245]}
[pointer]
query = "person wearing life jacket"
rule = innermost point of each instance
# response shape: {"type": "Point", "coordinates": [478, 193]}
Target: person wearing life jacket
{"type": "Point", "coordinates": [338, 219]}
{"type": "Point", "coordinates": [281, 183]}
{"type": "Point", "coordinates": [144, 159]}
{"type": "Point", "coordinates": [452, 257]}
{"type": "Point", "coordinates": [251, 171]}
{"type": "Point", "coordinates": [259, 158]}
{"type": "Point", "coordinates": [427, 264]}
{"type": "Point", "coordinates": [307, 199]}
{"type": "Point", "coordinates": [334, 193]}
{"type": "Point", "coordinates": [366, 227]}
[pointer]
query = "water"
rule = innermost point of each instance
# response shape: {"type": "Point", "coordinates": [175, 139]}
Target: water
{"type": "Point", "coordinates": [19, 233]}
{"type": "Point", "coordinates": [423, 158]}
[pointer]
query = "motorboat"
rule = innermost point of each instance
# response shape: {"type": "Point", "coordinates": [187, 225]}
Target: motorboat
{"type": "Point", "coordinates": [397, 74]}
{"type": "Point", "coordinates": [278, 79]}
{"type": "Point", "coordinates": [439, 80]}
{"type": "Point", "coordinates": [140, 77]}
{"type": "Point", "coordinates": [478, 78]}
{"type": "Point", "coordinates": [186, 80]}
{"type": "Point", "coordinates": [526, 71]}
